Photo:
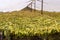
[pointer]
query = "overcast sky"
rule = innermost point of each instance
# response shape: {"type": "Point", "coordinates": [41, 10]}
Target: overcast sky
{"type": "Point", "coordinates": [13, 5]}
{"type": "Point", "coordinates": [8, 5]}
{"type": "Point", "coordinates": [49, 5]}
{"type": "Point", "coordinates": [52, 5]}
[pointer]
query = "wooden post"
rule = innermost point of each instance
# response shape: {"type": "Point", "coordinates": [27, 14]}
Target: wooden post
{"type": "Point", "coordinates": [34, 5]}
{"type": "Point", "coordinates": [31, 6]}
{"type": "Point", "coordinates": [42, 7]}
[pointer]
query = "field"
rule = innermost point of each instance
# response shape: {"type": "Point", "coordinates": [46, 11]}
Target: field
{"type": "Point", "coordinates": [25, 23]}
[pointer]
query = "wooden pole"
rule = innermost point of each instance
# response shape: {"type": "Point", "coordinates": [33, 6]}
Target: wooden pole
{"type": "Point", "coordinates": [42, 7]}
{"type": "Point", "coordinates": [31, 6]}
{"type": "Point", "coordinates": [34, 5]}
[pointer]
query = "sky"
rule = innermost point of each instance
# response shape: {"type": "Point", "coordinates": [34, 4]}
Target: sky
{"type": "Point", "coordinates": [49, 5]}
{"type": "Point", "coordinates": [52, 5]}
{"type": "Point", "coordinates": [15, 5]}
